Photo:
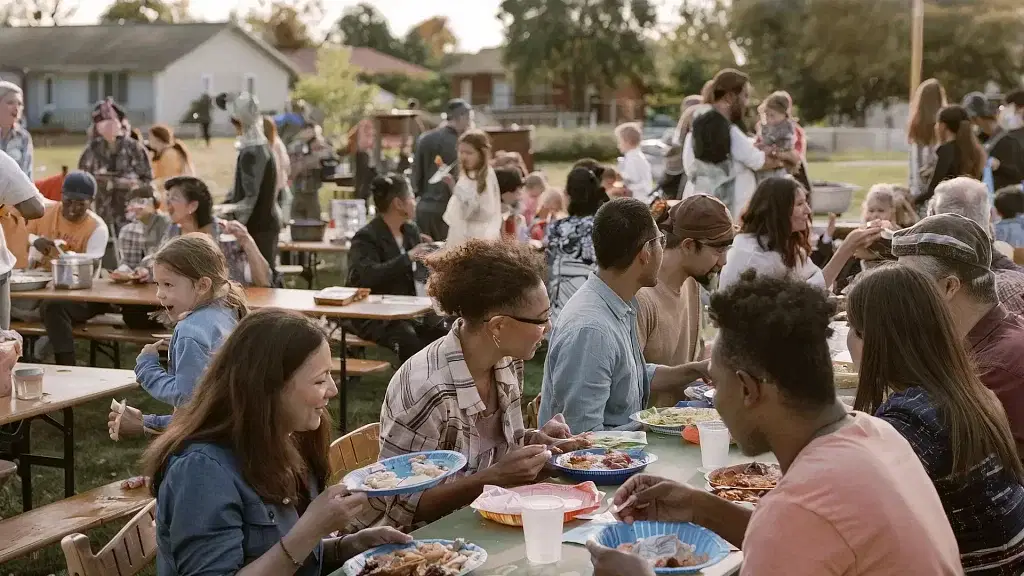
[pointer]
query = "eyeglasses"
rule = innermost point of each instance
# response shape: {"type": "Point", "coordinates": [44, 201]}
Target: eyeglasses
{"type": "Point", "coordinates": [660, 239]}
{"type": "Point", "coordinates": [534, 321]}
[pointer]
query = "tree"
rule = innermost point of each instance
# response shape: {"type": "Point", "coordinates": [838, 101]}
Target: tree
{"type": "Point", "coordinates": [363, 25]}
{"type": "Point", "coordinates": [335, 90]}
{"type": "Point", "coordinates": [579, 44]}
{"type": "Point", "coordinates": [139, 11]}
{"type": "Point", "coordinates": [432, 92]}
{"type": "Point", "coordinates": [285, 24]}
{"type": "Point", "coordinates": [36, 12]}
{"type": "Point", "coordinates": [436, 36]}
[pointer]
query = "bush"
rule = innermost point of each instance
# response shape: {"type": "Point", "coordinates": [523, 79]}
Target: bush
{"type": "Point", "coordinates": [570, 145]}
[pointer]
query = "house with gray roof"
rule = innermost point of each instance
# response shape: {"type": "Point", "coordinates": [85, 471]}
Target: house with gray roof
{"type": "Point", "coordinates": [155, 71]}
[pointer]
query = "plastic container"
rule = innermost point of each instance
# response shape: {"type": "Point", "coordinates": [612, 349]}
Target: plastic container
{"type": "Point", "coordinates": [542, 528]}
{"type": "Point", "coordinates": [714, 444]}
{"type": "Point", "coordinates": [28, 383]}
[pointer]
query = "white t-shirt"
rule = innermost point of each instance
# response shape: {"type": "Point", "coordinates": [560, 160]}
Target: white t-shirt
{"type": "Point", "coordinates": [637, 176]}
{"type": "Point", "coordinates": [15, 188]}
{"type": "Point", "coordinates": [746, 159]}
{"type": "Point", "coordinates": [746, 253]}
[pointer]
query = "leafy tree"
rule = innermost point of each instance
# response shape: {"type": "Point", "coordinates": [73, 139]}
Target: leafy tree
{"type": "Point", "coordinates": [139, 11]}
{"type": "Point", "coordinates": [363, 25]}
{"type": "Point", "coordinates": [431, 92]}
{"type": "Point", "coordinates": [36, 12]}
{"type": "Point", "coordinates": [436, 35]}
{"type": "Point", "coordinates": [577, 43]}
{"type": "Point", "coordinates": [285, 24]}
{"type": "Point", "coordinates": [335, 90]}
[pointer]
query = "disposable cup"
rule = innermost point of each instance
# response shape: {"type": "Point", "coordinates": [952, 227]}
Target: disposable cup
{"type": "Point", "coordinates": [714, 444]}
{"type": "Point", "coordinates": [542, 528]}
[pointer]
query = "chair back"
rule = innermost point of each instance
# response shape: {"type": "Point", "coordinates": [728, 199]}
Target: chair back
{"type": "Point", "coordinates": [127, 554]}
{"type": "Point", "coordinates": [1018, 256]}
{"type": "Point", "coordinates": [533, 413]}
{"type": "Point", "coordinates": [354, 450]}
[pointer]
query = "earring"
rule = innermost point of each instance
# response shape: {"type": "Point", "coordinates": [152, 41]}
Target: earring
{"type": "Point", "coordinates": [497, 343]}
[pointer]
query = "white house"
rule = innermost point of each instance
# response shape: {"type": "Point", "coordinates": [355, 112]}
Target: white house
{"type": "Point", "coordinates": [155, 71]}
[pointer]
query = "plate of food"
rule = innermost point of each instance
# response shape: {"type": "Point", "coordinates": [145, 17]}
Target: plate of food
{"type": "Point", "coordinates": [745, 498]}
{"type": "Point", "coordinates": [504, 505]}
{"type": "Point", "coordinates": [615, 439]}
{"type": "Point", "coordinates": [752, 476]}
{"type": "Point", "coordinates": [418, 558]}
{"type": "Point", "coordinates": [844, 374]}
{"type": "Point", "coordinates": [25, 280]}
{"type": "Point", "coordinates": [405, 474]}
{"type": "Point", "coordinates": [670, 421]}
{"type": "Point", "coordinates": [603, 466]}
{"type": "Point", "coordinates": [125, 275]}
{"type": "Point", "coordinates": [669, 547]}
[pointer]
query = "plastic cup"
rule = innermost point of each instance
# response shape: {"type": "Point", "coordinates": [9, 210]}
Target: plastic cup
{"type": "Point", "coordinates": [542, 527]}
{"type": "Point", "coordinates": [714, 444]}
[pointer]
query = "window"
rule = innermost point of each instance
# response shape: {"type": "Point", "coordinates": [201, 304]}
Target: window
{"type": "Point", "coordinates": [48, 89]}
{"type": "Point", "coordinates": [207, 83]}
{"type": "Point", "coordinates": [466, 90]}
{"type": "Point", "coordinates": [121, 88]}
{"type": "Point", "coordinates": [113, 84]}
{"type": "Point", "coordinates": [94, 88]}
{"type": "Point", "coordinates": [250, 84]}
{"type": "Point", "coordinates": [502, 94]}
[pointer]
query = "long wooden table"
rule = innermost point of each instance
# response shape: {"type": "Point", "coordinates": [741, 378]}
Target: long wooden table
{"type": "Point", "coordinates": [309, 252]}
{"type": "Point", "coordinates": [64, 387]}
{"type": "Point", "coordinates": [506, 548]}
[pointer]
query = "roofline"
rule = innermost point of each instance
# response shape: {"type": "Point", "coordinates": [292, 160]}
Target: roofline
{"type": "Point", "coordinates": [274, 53]}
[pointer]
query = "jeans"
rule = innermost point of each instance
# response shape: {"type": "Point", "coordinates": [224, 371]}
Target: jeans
{"type": "Point", "coordinates": [60, 318]}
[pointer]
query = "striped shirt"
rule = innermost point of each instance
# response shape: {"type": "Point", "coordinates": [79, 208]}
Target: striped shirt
{"type": "Point", "coordinates": [432, 403]}
{"type": "Point", "coordinates": [17, 142]}
{"type": "Point", "coordinates": [985, 506]}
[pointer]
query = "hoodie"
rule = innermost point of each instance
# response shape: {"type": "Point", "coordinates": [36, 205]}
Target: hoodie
{"type": "Point", "coordinates": [255, 189]}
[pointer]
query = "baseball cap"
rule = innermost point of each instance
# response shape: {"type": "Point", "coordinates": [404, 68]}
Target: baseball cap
{"type": "Point", "coordinates": [700, 217]}
{"type": "Point", "coordinates": [456, 107]}
{"type": "Point", "coordinates": [977, 106]}
{"type": "Point", "coordinates": [78, 185]}
{"type": "Point", "coordinates": [946, 236]}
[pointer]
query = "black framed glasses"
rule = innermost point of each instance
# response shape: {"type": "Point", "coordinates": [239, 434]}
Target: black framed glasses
{"type": "Point", "coordinates": [534, 321]}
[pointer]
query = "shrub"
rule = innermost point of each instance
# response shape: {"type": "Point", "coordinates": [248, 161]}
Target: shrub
{"type": "Point", "coordinates": [570, 145]}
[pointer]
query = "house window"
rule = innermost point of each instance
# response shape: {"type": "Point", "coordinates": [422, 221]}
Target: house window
{"type": "Point", "coordinates": [466, 90]}
{"type": "Point", "coordinates": [207, 83]}
{"type": "Point", "coordinates": [502, 94]}
{"type": "Point", "coordinates": [250, 84]}
{"type": "Point", "coordinates": [113, 84]}
{"type": "Point", "coordinates": [48, 90]}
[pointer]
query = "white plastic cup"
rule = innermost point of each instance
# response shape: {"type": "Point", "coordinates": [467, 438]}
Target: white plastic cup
{"type": "Point", "coordinates": [714, 444]}
{"type": "Point", "coordinates": [542, 527]}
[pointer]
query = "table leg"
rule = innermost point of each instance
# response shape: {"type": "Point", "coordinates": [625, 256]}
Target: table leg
{"type": "Point", "coordinates": [314, 259]}
{"type": "Point", "coordinates": [343, 386]}
{"type": "Point", "coordinates": [69, 453]}
{"type": "Point", "coordinates": [25, 465]}
{"type": "Point", "coordinates": [307, 268]}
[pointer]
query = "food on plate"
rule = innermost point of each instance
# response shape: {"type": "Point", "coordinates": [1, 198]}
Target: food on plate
{"type": "Point", "coordinates": [423, 470]}
{"type": "Point", "coordinates": [734, 495]}
{"type": "Point", "coordinates": [677, 416]}
{"type": "Point", "coordinates": [438, 161]}
{"type": "Point", "coordinates": [610, 460]}
{"type": "Point", "coordinates": [613, 439]}
{"type": "Point", "coordinates": [665, 551]}
{"type": "Point", "coordinates": [422, 559]}
{"type": "Point", "coordinates": [754, 475]}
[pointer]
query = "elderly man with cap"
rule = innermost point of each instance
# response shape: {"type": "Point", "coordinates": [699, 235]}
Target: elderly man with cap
{"type": "Point", "coordinates": [14, 138]}
{"type": "Point", "coordinates": [698, 233]}
{"type": "Point", "coordinates": [1005, 155]}
{"type": "Point", "coordinates": [436, 148]}
{"type": "Point", "coordinates": [956, 252]}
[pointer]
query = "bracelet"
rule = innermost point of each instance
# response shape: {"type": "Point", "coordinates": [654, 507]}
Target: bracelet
{"type": "Point", "coordinates": [289, 554]}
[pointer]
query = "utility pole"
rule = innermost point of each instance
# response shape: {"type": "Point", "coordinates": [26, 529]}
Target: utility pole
{"type": "Point", "coordinates": [916, 45]}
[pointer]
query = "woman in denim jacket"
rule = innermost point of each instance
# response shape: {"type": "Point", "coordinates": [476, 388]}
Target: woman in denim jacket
{"type": "Point", "coordinates": [240, 475]}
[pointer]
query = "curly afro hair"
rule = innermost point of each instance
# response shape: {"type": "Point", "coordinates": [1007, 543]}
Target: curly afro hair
{"type": "Point", "coordinates": [778, 330]}
{"type": "Point", "coordinates": [478, 278]}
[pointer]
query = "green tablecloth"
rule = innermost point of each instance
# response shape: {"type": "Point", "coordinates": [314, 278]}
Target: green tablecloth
{"type": "Point", "coordinates": [506, 549]}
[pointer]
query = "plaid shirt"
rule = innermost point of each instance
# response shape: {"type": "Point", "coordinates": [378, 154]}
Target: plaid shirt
{"type": "Point", "coordinates": [18, 145]}
{"type": "Point", "coordinates": [1010, 289]}
{"type": "Point", "coordinates": [139, 240]}
{"type": "Point", "coordinates": [432, 403]}
{"type": "Point", "coordinates": [126, 159]}
{"type": "Point", "coordinates": [985, 506]}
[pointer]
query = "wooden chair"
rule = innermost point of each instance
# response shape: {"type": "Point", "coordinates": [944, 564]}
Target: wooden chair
{"type": "Point", "coordinates": [7, 470]}
{"type": "Point", "coordinates": [354, 450]}
{"type": "Point", "coordinates": [131, 550]}
{"type": "Point", "coordinates": [1018, 256]}
{"type": "Point", "coordinates": [533, 413]}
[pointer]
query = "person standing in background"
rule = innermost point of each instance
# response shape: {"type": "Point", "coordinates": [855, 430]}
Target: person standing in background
{"type": "Point", "coordinates": [1011, 117]}
{"type": "Point", "coordinates": [929, 99]}
{"type": "Point", "coordinates": [170, 156]}
{"type": "Point", "coordinates": [636, 170]}
{"type": "Point", "coordinates": [15, 140]}
{"type": "Point", "coordinates": [437, 148]}
{"type": "Point", "coordinates": [204, 113]}
{"type": "Point", "coordinates": [284, 168]}
{"type": "Point", "coordinates": [1004, 154]}
{"type": "Point", "coordinates": [18, 191]}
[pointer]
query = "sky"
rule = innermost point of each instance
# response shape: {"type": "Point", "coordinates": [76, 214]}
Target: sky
{"type": "Point", "coordinates": [473, 21]}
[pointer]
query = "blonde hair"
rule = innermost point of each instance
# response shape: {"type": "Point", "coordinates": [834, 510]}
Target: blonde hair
{"type": "Point", "coordinates": [555, 198]}
{"type": "Point", "coordinates": [778, 101]}
{"type": "Point", "coordinates": [903, 213]}
{"type": "Point", "coordinates": [630, 133]}
{"type": "Point", "coordinates": [196, 256]}
{"type": "Point", "coordinates": [535, 180]}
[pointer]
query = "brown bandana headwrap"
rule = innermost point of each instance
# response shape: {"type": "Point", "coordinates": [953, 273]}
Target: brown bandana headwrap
{"type": "Point", "coordinates": [700, 217]}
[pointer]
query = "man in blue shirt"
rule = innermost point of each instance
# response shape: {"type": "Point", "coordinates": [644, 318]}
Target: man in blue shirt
{"type": "Point", "coordinates": [595, 373]}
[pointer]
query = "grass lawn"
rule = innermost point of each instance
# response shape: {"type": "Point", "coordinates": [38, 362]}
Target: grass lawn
{"type": "Point", "coordinates": [100, 461]}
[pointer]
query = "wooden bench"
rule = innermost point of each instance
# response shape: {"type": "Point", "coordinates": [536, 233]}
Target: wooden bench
{"type": "Point", "coordinates": [355, 367]}
{"type": "Point", "coordinates": [106, 328]}
{"type": "Point", "coordinates": [40, 527]}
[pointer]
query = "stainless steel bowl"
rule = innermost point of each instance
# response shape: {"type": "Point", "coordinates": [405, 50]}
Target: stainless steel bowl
{"type": "Point", "coordinates": [72, 272]}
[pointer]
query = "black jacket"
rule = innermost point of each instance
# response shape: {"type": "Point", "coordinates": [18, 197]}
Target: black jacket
{"type": "Point", "coordinates": [1007, 149]}
{"type": "Point", "coordinates": [442, 141]}
{"type": "Point", "coordinates": [375, 262]}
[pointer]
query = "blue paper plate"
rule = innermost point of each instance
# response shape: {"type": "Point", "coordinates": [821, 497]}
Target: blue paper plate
{"type": "Point", "coordinates": [605, 477]}
{"type": "Point", "coordinates": [453, 461]}
{"type": "Point", "coordinates": [705, 541]}
{"type": "Point", "coordinates": [356, 564]}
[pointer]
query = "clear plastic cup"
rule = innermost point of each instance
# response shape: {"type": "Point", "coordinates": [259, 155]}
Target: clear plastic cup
{"type": "Point", "coordinates": [542, 527]}
{"type": "Point", "coordinates": [714, 444]}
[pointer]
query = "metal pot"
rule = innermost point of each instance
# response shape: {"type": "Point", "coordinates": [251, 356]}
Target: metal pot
{"type": "Point", "coordinates": [72, 272]}
{"type": "Point", "coordinates": [307, 230]}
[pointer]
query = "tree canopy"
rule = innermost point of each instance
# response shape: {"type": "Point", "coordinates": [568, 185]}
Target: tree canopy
{"type": "Point", "coordinates": [336, 90]}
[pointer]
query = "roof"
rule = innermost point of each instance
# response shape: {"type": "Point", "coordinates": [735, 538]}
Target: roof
{"type": "Point", "coordinates": [366, 60]}
{"type": "Point", "coordinates": [486, 61]}
{"type": "Point", "coordinates": [135, 47]}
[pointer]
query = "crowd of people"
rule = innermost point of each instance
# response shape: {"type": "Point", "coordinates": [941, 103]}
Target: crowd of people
{"type": "Point", "coordinates": [922, 474]}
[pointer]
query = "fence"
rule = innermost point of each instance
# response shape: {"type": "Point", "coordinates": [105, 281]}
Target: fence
{"type": "Point", "coordinates": [837, 140]}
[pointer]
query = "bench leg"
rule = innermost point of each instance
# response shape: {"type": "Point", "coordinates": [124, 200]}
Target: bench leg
{"type": "Point", "coordinates": [117, 355]}
{"type": "Point", "coordinates": [69, 453]}
{"type": "Point", "coordinates": [25, 465]}
{"type": "Point", "coordinates": [343, 386]}
{"type": "Point", "coordinates": [92, 352]}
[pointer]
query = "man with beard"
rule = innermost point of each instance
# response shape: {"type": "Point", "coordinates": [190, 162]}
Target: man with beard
{"type": "Point", "coordinates": [698, 233]}
{"type": "Point", "coordinates": [436, 148]}
{"type": "Point", "coordinates": [595, 374]}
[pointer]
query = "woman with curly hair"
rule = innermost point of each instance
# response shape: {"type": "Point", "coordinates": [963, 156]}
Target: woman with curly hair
{"type": "Point", "coordinates": [463, 392]}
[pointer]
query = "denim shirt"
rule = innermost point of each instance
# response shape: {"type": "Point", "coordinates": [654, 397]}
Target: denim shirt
{"type": "Point", "coordinates": [1011, 231]}
{"type": "Point", "coordinates": [193, 343]}
{"type": "Point", "coordinates": [210, 522]}
{"type": "Point", "coordinates": [595, 373]}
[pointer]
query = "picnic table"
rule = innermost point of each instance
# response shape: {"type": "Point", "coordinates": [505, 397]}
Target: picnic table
{"type": "Point", "coordinates": [309, 251]}
{"type": "Point", "coordinates": [64, 387]}
{"type": "Point", "coordinates": [506, 548]}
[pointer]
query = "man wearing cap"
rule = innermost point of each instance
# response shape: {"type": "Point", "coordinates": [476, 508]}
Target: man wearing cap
{"type": "Point", "coordinates": [70, 223]}
{"type": "Point", "coordinates": [1005, 154]}
{"type": "Point", "coordinates": [436, 148]}
{"type": "Point", "coordinates": [698, 233]}
{"type": "Point", "coordinates": [956, 252]}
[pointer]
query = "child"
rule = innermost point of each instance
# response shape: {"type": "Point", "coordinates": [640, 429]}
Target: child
{"type": "Point", "coordinates": [776, 130]}
{"type": "Point", "coordinates": [192, 285]}
{"type": "Point", "coordinates": [611, 181]}
{"type": "Point", "coordinates": [885, 203]}
{"type": "Point", "coordinates": [636, 170]}
{"type": "Point", "coordinates": [552, 208]}
{"type": "Point", "coordinates": [535, 185]}
{"type": "Point", "coordinates": [474, 210]}
{"type": "Point", "coordinates": [1009, 204]}
{"type": "Point", "coordinates": [510, 185]}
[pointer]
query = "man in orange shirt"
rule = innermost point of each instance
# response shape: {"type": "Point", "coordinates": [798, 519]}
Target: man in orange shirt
{"type": "Point", "coordinates": [70, 223]}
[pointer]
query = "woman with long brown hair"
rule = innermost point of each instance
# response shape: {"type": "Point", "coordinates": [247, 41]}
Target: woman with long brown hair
{"type": "Point", "coordinates": [474, 209]}
{"type": "Point", "coordinates": [240, 476]}
{"type": "Point", "coordinates": [170, 156]}
{"type": "Point", "coordinates": [915, 374]}
{"type": "Point", "coordinates": [279, 150]}
{"type": "Point", "coordinates": [774, 238]}
{"type": "Point", "coordinates": [959, 152]}
{"type": "Point", "coordinates": [929, 99]}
